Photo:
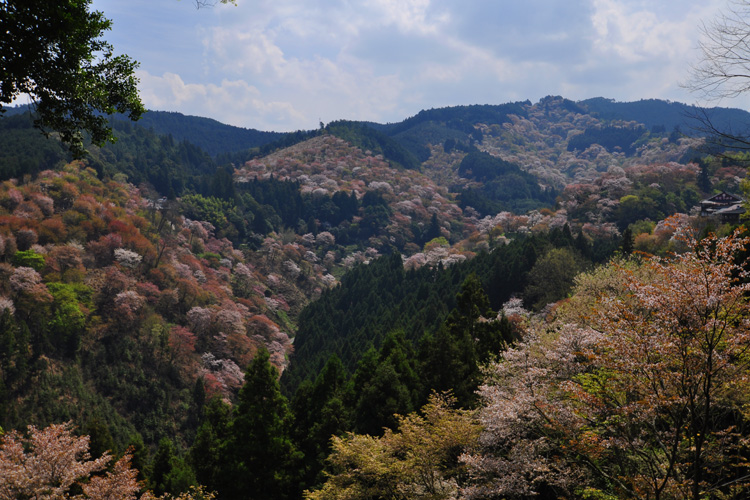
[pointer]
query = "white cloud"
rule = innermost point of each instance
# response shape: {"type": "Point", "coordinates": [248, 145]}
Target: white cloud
{"type": "Point", "coordinates": [410, 16]}
{"type": "Point", "coordinates": [285, 64]}
{"type": "Point", "coordinates": [239, 52]}
{"type": "Point", "coordinates": [637, 34]}
{"type": "Point", "coordinates": [232, 101]}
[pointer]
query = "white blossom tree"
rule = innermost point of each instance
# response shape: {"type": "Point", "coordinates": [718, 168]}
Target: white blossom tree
{"type": "Point", "coordinates": [47, 463]}
{"type": "Point", "coordinates": [646, 396]}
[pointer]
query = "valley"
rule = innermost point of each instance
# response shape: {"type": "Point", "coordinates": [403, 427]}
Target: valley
{"type": "Point", "coordinates": [186, 298]}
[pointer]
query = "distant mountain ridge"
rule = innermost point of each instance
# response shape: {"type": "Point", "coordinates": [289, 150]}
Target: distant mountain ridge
{"type": "Point", "coordinates": [437, 125]}
{"type": "Point", "coordinates": [210, 135]}
{"type": "Point", "coordinates": [668, 114]}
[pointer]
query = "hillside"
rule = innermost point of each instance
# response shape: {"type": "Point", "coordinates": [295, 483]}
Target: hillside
{"type": "Point", "coordinates": [116, 306]}
{"type": "Point", "coordinates": [211, 136]}
{"type": "Point", "coordinates": [488, 171]}
{"type": "Point", "coordinates": [373, 263]}
{"type": "Point", "coordinates": [667, 116]}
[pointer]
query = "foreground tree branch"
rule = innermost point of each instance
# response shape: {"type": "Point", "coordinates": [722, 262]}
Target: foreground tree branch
{"type": "Point", "coordinates": [53, 52]}
{"type": "Point", "coordinates": [723, 69]}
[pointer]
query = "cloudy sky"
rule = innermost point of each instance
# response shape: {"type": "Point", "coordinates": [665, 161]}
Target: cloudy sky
{"type": "Point", "coordinates": [285, 65]}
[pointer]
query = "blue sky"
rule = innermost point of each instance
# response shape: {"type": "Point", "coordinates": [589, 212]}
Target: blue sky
{"type": "Point", "coordinates": [287, 64]}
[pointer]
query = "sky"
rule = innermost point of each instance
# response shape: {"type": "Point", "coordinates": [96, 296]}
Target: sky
{"type": "Point", "coordinates": [284, 65]}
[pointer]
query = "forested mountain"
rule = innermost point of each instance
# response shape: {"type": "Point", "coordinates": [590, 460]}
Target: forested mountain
{"type": "Point", "coordinates": [457, 123]}
{"type": "Point", "coordinates": [382, 297]}
{"type": "Point", "coordinates": [667, 116]}
{"type": "Point", "coordinates": [283, 288]}
{"type": "Point", "coordinates": [210, 135]}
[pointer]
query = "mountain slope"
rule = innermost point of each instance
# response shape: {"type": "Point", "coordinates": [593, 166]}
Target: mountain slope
{"type": "Point", "coordinates": [211, 136]}
{"type": "Point", "coordinates": [115, 306]}
{"type": "Point", "coordinates": [667, 115]}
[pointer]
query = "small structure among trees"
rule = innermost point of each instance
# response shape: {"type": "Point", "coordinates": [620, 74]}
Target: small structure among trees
{"type": "Point", "coordinates": [726, 206]}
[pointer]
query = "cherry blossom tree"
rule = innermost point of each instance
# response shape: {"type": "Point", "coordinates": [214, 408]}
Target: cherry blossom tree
{"type": "Point", "coordinates": [128, 303]}
{"type": "Point", "coordinates": [50, 463]}
{"type": "Point", "coordinates": [127, 258]}
{"type": "Point", "coordinates": [646, 396]}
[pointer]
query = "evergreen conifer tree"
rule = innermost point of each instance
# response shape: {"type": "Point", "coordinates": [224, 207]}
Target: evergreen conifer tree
{"type": "Point", "coordinates": [322, 409]}
{"type": "Point", "coordinates": [263, 461]}
{"type": "Point", "coordinates": [451, 356]}
{"type": "Point", "coordinates": [208, 455]}
{"type": "Point", "coordinates": [387, 384]}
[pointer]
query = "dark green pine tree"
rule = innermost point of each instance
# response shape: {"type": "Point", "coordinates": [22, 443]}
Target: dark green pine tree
{"type": "Point", "coordinates": [161, 466]}
{"type": "Point", "coordinates": [169, 472]}
{"type": "Point", "coordinates": [583, 246]}
{"type": "Point", "coordinates": [628, 242]}
{"type": "Point", "coordinates": [321, 409]}
{"type": "Point", "coordinates": [15, 357]}
{"type": "Point", "coordinates": [208, 454]}
{"type": "Point", "coordinates": [138, 455]}
{"type": "Point", "coordinates": [386, 384]}
{"type": "Point", "coordinates": [451, 356]}
{"type": "Point", "coordinates": [100, 438]}
{"type": "Point", "coordinates": [704, 176]}
{"type": "Point", "coordinates": [433, 230]}
{"type": "Point", "coordinates": [263, 461]}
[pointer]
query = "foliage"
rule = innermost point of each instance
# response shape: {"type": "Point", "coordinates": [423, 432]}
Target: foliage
{"type": "Point", "coordinates": [643, 398]}
{"type": "Point", "coordinates": [418, 460]}
{"type": "Point", "coordinates": [54, 52]}
{"type": "Point", "coordinates": [551, 278]}
{"type": "Point", "coordinates": [25, 150]}
{"type": "Point", "coordinates": [52, 463]}
{"type": "Point", "coordinates": [149, 296]}
{"type": "Point", "coordinates": [209, 135]}
{"type": "Point", "coordinates": [504, 186]}
{"type": "Point", "coordinates": [471, 335]}
{"type": "Point", "coordinates": [387, 385]}
{"type": "Point", "coordinates": [103, 330]}
{"type": "Point", "coordinates": [254, 452]}
{"type": "Point", "coordinates": [168, 472]}
{"type": "Point", "coordinates": [322, 408]}
{"type": "Point", "coordinates": [452, 119]}
{"type": "Point", "coordinates": [28, 258]}
{"type": "Point", "coordinates": [657, 113]}
{"type": "Point", "coordinates": [382, 297]}
{"type": "Point", "coordinates": [365, 138]}
{"type": "Point", "coordinates": [612, 138]}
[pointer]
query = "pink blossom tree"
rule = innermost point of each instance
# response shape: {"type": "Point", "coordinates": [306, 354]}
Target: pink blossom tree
{"type": "Point", "coordinates": [49, 464]}
{"type": "Point", "coordinates": [644, 397]}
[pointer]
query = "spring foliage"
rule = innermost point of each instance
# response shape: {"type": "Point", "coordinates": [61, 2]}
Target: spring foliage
{"type": "Point", "coordinates": [50, 463]}
{"type": "Point", "coordinates": [417, 461]}
{"type": "Point", "coordinates": [53, 51]}
{"type": "Point", "coordinates": [644, 397]}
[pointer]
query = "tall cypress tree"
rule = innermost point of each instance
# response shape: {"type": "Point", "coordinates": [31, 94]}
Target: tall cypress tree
{"type": "Point", "coordinates": [387, 384]}
{"type": "Point", "coordinates": [451, 356]}
{"type": "Point", "coordinates": [322, 409]}
{"type": "Point", "coordinates": [264, 463]}
{"type": "Point", "coordinates": [208, 455]}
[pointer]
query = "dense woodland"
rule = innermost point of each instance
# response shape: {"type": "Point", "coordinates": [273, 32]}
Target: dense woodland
{"type": "Point", "coordinates": [482, 301]}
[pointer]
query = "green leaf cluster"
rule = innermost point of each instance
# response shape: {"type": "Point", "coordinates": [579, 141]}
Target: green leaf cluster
{"type": "Point", "coordinates": [53, 51]}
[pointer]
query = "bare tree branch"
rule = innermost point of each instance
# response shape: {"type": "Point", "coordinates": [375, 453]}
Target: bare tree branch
{"type": "Point", "coordinates": [723, 69]}
{"type": "Point", "coordinates": [723, 72]}
{"type": "Point", "coordinates": [200, 4]}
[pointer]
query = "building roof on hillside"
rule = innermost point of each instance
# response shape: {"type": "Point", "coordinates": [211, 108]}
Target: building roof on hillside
{"type": "Point", "coordinates": [723, 198]}
{"type": "Point", "coordinates": [733, 209]}
{"type": "Point", "coordinates": [725, 205]}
